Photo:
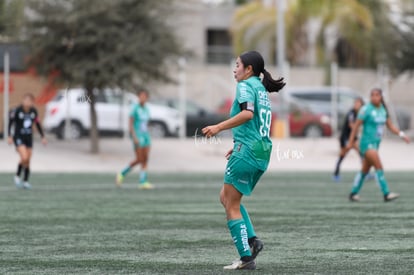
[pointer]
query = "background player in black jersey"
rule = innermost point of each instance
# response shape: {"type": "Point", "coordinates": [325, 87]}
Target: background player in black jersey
{"type": "Point", "coordinates": [22, 118]}
{"type": "Point", "coordinates": [345, 133]}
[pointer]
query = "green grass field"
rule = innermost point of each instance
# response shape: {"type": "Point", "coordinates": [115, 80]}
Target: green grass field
{"type": "Point", "coordinates": [82, 224]}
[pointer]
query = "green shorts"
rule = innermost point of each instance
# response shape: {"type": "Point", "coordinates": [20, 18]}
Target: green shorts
{"type": "Point", "coordinates": [242, 175]}
{"type": "Point", "coordinates": [364, 146]}
{"type": "Point", "coordinates": [144, 140]}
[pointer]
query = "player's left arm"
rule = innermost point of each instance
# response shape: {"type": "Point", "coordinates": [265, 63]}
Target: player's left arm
{"type": "Point", "coordinates": [351, 120]}
{"type": "Point", "coordinates": [237, 120]}
{"type": "Point", "coordinates": [40, 129]}
{"type": "Point", "coordinates": [396, 131]}
{"type": "Point", "coordinates": [11, 122]}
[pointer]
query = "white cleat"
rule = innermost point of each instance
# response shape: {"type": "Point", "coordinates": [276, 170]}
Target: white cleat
{"type": "Point", "coordinates": [145, 186]}
{"type": "Point", "coordinates": [240, 265]}
{"type": "Point", "coordinates": [354, 197]}
{"type": "Point", "coordinates": [391, 196]}
{"type": "Point", "coordinates": [119, 180]}
{"type": "Point", "coordinates": [18, 182]}
{"type": "Point", "coordinates": [27, 185]}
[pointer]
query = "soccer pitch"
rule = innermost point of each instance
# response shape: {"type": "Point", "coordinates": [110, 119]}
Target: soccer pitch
{"type": "Point", "coordinates": [82, 224]}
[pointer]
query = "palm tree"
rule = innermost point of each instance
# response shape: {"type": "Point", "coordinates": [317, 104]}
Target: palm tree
{"type": "Point", "coordinates": [349, 21]}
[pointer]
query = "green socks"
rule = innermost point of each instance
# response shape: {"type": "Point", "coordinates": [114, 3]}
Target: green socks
{"type": "Point", "coordinates": [358, 182]}
{"type": "Point", "coordinates": [126, 170]}
{"type": "Point", "coordinates": [238, 231]}
{"type": "Point", "coordinates": [379, 176]}
{"type": "Point", "coordinates": [143, 176]}
{"type": "Point", "coordinates": [249, 225]}
{"type": "Point", "coordinates": [382, 182]}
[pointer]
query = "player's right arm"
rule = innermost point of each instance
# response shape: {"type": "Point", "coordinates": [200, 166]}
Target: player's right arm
{"type": "Point", "coordinates": [355, 129]}
{"type": "Point", "coordinates": [245, 97]}
{"type": "Point", "coordinates": [131, 125]}
{"type": "Point", "coordinates": [132, 131]}
{"type": "Point", "coordinates": [362, 115]}
{"type": "Point", "coordinates": [232, 122]}
{"type": "Point", "coordinates": [11, 122]}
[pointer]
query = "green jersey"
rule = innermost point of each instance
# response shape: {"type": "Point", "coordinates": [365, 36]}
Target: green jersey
{"type": "Point", "coordinates": [141, 116]}
{"type": "Point", "coordinates": [374, 119]}
{"type": "Point", "coordinates": [252, 141]}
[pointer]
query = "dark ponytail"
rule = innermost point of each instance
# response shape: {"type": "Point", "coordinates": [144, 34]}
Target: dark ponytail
{"type": "Point", "coordinates": [382, 99]}
{"type": "Point", "coordinates": [385, 106]}
{"type": "Point", "coordinates": [270, 84]}
{"type": "Point", "coordinates": [255, 59]}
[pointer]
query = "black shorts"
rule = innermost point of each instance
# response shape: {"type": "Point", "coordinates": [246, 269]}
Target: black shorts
{"type": "Point", "coordinates": [23, 140]}
{"type": "Point", "coordinates": [343, 141]}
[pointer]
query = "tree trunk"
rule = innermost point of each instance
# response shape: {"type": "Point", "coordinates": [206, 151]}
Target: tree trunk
{"type": "Point", "coordinates": [93, 134]}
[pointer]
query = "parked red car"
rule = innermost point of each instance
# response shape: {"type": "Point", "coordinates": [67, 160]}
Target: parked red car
{"type": "Point", "coordinates": [303, 122]}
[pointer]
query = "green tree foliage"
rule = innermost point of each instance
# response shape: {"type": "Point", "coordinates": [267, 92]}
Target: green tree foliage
{"type": "Point", "coordinates": [101, 43]}
{"type": "Point", "coordinates": [402, 59]}
{"type": "Point", "coordinates": [400, 44]}
{"type": "Point", "coordinates": [11, 19]}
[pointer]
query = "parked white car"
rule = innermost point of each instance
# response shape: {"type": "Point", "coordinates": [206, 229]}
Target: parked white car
{"type": "Point", "coordinates": [112, 108]}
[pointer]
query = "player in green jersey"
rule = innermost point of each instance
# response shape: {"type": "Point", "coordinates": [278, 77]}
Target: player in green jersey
{"type": "Point", "coordinates": [373, 117]}
{"type": "Point", "coordinates": [250, 119]}
{"type": "Point", "coordinates": [138, 129]}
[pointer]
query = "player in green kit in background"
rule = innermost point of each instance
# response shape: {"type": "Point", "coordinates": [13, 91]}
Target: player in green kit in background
{"type": "Point", "coordinates": [250, 119]}
{"type": "Point", "coordinates": [373, 117]}
{"type": "Point", "coordinates": [138, 130]}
